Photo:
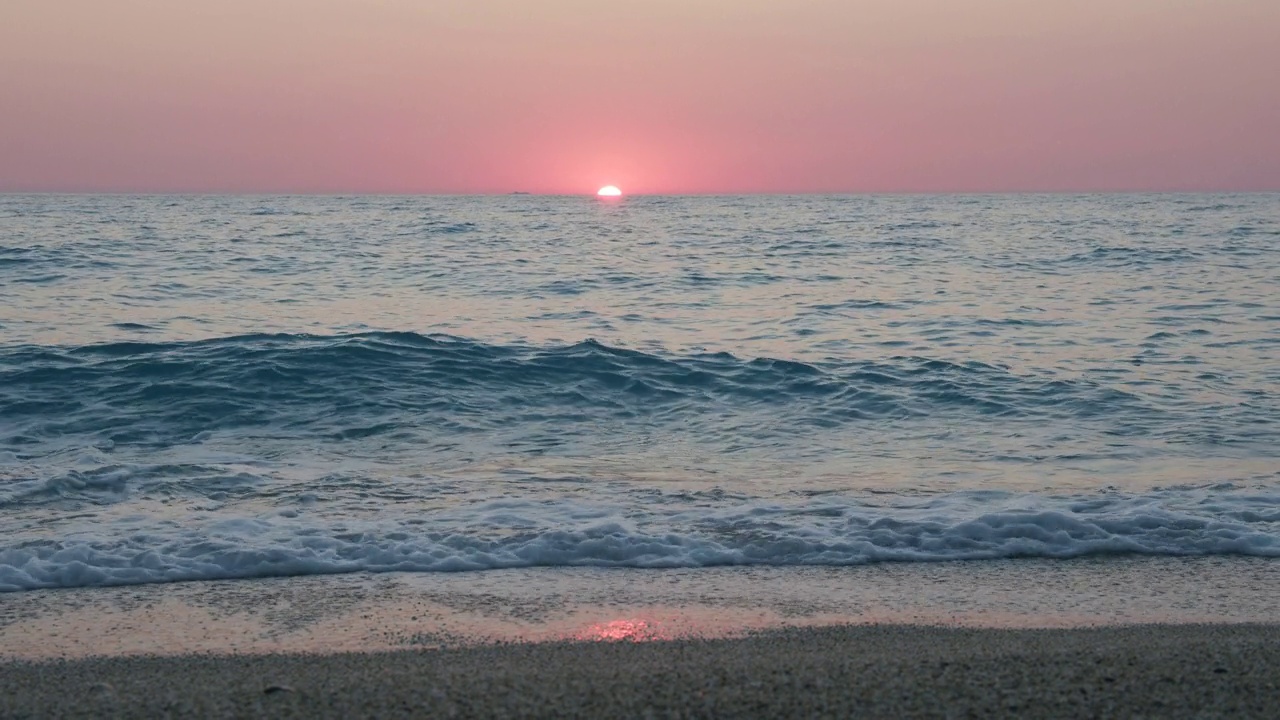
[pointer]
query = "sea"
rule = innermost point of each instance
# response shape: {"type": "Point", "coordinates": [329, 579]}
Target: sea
{"type": "Point", "coordinates": [198, 388]}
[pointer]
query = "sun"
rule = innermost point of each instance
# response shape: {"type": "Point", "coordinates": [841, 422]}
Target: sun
{"type": "Point", "coordinates": [609, 191]}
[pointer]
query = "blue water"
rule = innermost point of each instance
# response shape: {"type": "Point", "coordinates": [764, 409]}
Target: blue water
{"type": "Point", "coordinates": [213, 387]}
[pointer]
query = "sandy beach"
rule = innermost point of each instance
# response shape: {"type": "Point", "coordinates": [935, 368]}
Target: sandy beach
{"type": "Point", "coordinates": [1121, 637]}
{"type": "Point", "coordinates": [871, 671]}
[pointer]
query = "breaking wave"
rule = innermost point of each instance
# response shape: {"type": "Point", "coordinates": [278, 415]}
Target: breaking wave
{"type": "Point", "coordinates": [662, 532]}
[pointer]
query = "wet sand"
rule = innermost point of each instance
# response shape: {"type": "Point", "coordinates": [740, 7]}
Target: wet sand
{"type": "Point", "coordinates": [875, 671]}
{"type": "Point", "coordinates": [367, 613]}
{"type": "Point", "coordinates": [1154, 637]}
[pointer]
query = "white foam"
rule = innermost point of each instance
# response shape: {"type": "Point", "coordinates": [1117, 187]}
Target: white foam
{"type": "Point", "coordinates": [660, 534]}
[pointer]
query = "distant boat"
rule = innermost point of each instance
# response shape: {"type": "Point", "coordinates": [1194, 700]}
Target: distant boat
{"type": "Point", "coordinates": [519, 192]}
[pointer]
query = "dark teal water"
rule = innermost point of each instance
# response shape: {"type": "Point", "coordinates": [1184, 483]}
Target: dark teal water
{"type": "Point", "coordinates": [204, 387]}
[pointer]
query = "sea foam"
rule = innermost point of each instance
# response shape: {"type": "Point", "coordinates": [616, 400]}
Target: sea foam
{"type": "Point", "coordinates": [671, 531]}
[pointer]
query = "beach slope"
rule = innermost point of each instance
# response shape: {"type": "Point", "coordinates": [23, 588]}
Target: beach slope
{"type": "Point", "coordinates": [878, 671]}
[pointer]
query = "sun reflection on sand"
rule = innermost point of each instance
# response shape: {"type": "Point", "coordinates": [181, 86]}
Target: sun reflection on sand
{"type": "Point", "coordinates": [633, 630]}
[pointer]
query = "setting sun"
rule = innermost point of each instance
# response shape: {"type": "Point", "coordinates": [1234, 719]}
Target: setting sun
{"type": "Point", "coordinates": [609, 191]}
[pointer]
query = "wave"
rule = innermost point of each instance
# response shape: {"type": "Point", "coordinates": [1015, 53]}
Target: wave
{"type": "Point", "coordinates": [264, 455]}
{"type": "Point", "coordinates": [140, 392]}
{"type": "Point", "coordinates": [517, 534]}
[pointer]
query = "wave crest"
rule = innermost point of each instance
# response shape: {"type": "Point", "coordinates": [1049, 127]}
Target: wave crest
{"type": "Point", "coordinates": [514, 534]}
{"type": "Point", "coordinates": [366, 384]}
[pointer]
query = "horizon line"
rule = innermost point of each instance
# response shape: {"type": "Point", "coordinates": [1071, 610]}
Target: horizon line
{"type": "Point", "coordinates": [592, 194]}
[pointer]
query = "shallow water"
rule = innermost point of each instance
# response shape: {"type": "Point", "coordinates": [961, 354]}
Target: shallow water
{"type": "Point", "coordinates": [212, 387]}
{"type": "Point", "coordinates": [387, 611]}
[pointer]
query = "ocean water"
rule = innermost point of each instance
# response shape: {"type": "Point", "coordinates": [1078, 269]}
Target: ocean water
{"type": "Point", "coordinates": [228, 387]}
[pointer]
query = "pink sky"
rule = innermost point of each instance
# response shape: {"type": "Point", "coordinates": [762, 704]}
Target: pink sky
{"type": "Point", "coordinates": [656, 96]}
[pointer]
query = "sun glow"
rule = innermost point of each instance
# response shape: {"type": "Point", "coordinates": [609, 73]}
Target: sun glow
{"type": "Point", "coordinates": [609, 191]}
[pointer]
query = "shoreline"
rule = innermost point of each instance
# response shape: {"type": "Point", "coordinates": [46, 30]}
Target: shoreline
{"type": "Point", "coordinates": [371, 612]}
{"type": "Point", "coordinates": [873, 670]}
{"type": "Point", "coordinates": [1124, 636]}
